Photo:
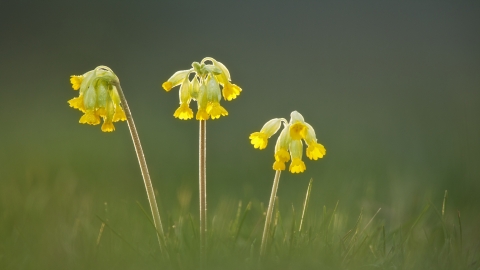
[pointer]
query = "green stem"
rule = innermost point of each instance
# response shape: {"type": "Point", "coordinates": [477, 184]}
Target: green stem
{"type": "Point", "coordinates": [203, 192]}
{"type": "Point", "coordinates": [144, 169]}
{"type": "Point", "coordinates": [268, 219]}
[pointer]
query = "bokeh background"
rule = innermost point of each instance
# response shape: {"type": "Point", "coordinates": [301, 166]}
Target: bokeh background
{"type": "Point", "coordinates": [392, 89]}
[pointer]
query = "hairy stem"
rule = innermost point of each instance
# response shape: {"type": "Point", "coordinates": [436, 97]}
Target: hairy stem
{"type": "Point", "coordinates": [203, 192]}
{"type": "Point", "coordinates": [144, 169]}
{"type": "Point", "coordinates": [268, 219]}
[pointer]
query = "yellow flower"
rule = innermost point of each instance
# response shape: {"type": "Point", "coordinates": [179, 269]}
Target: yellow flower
{"type": "Point", "coordinates": [296, 149]}
{"type": "Point", "coordinates": [119, 115]}
{"type": "Point", "coordinates": [203, 88]}
{"type": "Point", "coordinates": [260, 139]}
{"type": "Point", "coordinates": [202, 103]}
{"type": "Point", "coordinates": [231, 91]}
{"type": "Point", "coordinates": [202, 114]}
{"type": "Point", "coordinates": [279, 166]}
{"type": "Point", "coordinates": [176, 79]}
{"type": "Point", "coordinates": [98, 98]}
{"type": "Point", "coordinates": [290, 142]}
{"type": "Point", "coordinates": [183, 112]}
{"type": "Point", "coordinates": [298, 131]}
{"type": "Point", "coordinates": [108, 127]}
{"type": "Point", "coordinates": [167, 86]}
{"type": "Point", "coordinates": [216, 110]}
{"type": "Point", "coordinates": [298, 128]}
{"type": "Point", "coordinates": [282, 155]}
{"type": "Point", "coordinates": [315, 151]}
{"type": "Point", "coordinates": [297, 166]}
{"type": "Point", "coordinates": [90, 117]}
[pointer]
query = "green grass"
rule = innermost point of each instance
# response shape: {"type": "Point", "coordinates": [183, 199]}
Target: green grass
{"type": "Point", "coordinates": [52, 224]}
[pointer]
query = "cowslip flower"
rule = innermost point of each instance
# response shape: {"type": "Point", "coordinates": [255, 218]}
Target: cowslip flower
{"type": "Point", "coordinates": [289, 145]}
{"type": "Point", "coordinates": [204, 88]}
{"type": "Point", "coordinates": [204, 83]}
{"type": "Point", "coordinates": [98, 98]}
{"type": "Point", "coordinates": [101, 96]}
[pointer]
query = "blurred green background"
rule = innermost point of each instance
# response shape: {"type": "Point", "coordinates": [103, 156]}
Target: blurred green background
{"type": "Point", "coordinates": [392, 89]}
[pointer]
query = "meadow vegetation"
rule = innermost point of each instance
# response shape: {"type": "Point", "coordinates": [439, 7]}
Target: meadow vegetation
{"type": "Point", "coordinates": [50, 223]}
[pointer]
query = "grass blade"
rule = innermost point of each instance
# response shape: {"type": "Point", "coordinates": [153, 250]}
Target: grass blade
{"type": "Point", "coordinates": [305, 204]}
{"type": "Point", "coordinates": [425, 209]}
{"type": "Point", "coordinates": [444, 206]}
{"type": "Point", "coordinates": [247, 209]}
{"type": "Point", "coordinates": [292, 231]}
{"type": "Point", "coordinates": [461, 232]}
{"type": "Point", "coordinates": [146, 215]}
{"type": "Point", "coordinates": [192, 225]}
{"type": "Point", "coordinates": [237, 216]}
{"type": "Point", "coordinates": [118, 234]}
{"type": "Point", "coordinates": [371, 220]}
{"type": "Point", "coordinates": [332, 216]}
{"type": "Point", "coordinates": [384, 241]}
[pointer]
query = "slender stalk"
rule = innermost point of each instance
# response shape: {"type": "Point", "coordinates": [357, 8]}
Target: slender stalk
{"type": "Point", "coordinates": [144, 169]}
{"type": "Point", "coordinates": [203, 192]}
{"type": "Point", "coordinates": [268, 219]}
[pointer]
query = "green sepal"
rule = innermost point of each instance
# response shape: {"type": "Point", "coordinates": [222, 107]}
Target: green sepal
{"type": "Point", "coordinates": [213, 69]}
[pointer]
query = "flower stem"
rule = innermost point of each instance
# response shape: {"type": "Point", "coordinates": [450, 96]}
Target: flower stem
{"type": "Point", "coordinates": [144, 169]}
{"type": "Point", "coordinates": [203, 192]}
{"type": "Point", "coordinates": [268, 219]}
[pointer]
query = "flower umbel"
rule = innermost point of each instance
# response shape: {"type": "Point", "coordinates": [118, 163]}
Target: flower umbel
{"type": "Point", "coordinates": [290, 142]}
{"type": "Point", "coordinates": [203, 88]}
{"type": "Point", "coordinates": [98, 98]}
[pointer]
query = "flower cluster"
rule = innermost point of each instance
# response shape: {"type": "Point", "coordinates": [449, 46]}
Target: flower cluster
{"type": "Point", "coordinates": [204, 88]}
{"type": "Point", "coordinates": [98, 98]}
{"type": "Point", "coordinates": [289, 143]}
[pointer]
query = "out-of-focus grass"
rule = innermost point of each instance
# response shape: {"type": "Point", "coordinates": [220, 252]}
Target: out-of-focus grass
{"type": "Point", "coordinates": [50, 223]}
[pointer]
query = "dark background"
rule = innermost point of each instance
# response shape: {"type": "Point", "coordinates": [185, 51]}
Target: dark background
{"type": "Point", "coordinates": [392, 89]}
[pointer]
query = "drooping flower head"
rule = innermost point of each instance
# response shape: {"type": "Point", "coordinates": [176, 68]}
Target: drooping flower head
{"type": "Point", "coordinates": [98, 98]}
{"type": "Point", "coordinates": [290, 142]}
{"type": "Point", "coordinates": [203, 88]}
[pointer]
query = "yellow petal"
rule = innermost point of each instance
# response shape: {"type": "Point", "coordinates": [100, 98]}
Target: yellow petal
{"type": "Point", "coordinates": [230, 91]}
{"type": "Point", "coordinates": [90, 118]}
{"type": "Point", "coordinates": [297, 166]}
{"type": "Point", "coordinates": [108, 127]}
{"type": "Point", "coordinates": [298, 131]}
{"type": "Point", "coordinates": [167, 86]}
{"type": "Point", "coordinates": [77, 103]}
{"type": "Point", "coordinates": [184, 112]}
{"type": "Point", "coordinates": [282, 155]}
{"type": "Point", "coordinates": [102, 112]}
{"type": "Point", "coordinates": [76, 81]}
{"type": "Point", "coordinates": [216, 110]}
{"type": "Point", "coordinates": [202, 114]}
{"type": "Point", "coordinates": [279, 166]}
{"type": "Point", "coordinates": [315, 151]}
{"type": "Point", "coordinates": [259, 140]}
{"type": "Point", "coordinates": [119, 114]}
